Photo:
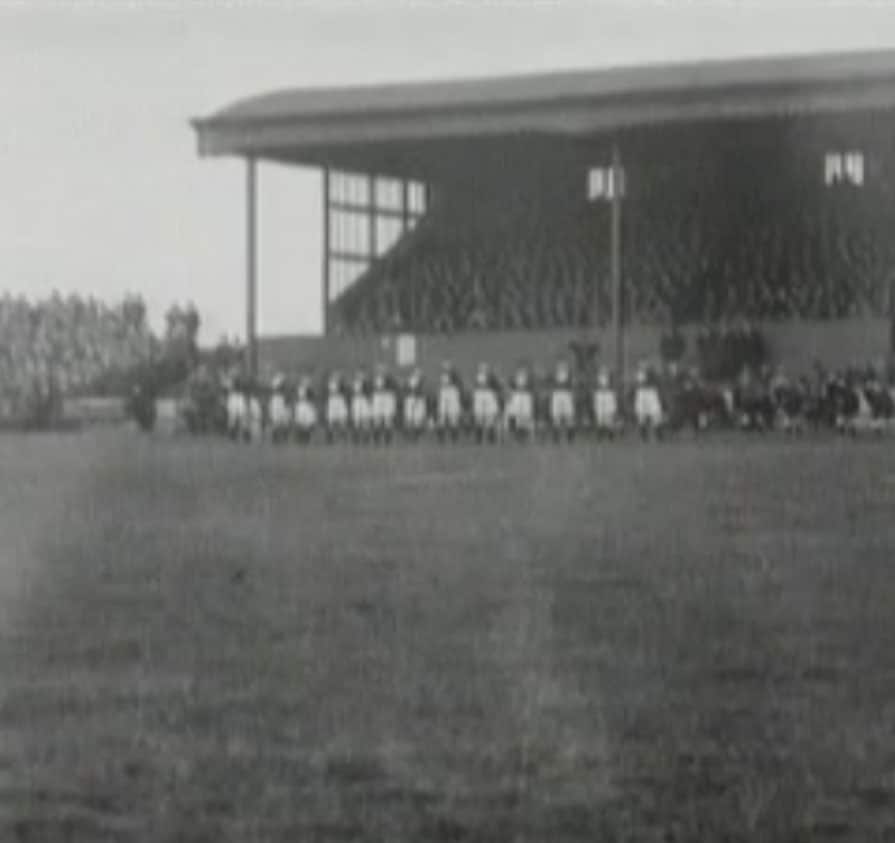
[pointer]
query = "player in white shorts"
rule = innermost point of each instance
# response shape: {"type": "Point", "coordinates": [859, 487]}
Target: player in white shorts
{"type": "Point", "coordinates": [486, 405]}
{"type": "Point", "coordinates": [237, 409]}
{"type": "Point", "coordinates": [562, 402]}
{"type": "Point", "coordinates": [607, 421]}
{"type": "Point", "coordinates": [520, 409]}
{"type": "Point", "coordinates": [257, 421]}
{"type": "Point", "coordinates": [647, 404]}
{"type": "Point", "coordinates": [305, 410]}
{"type": "Point", "coordinates": [361, 408]}
{"type": "Point", "coordinates": [414, 409]}
{"type": "Point", "coordinates": [337, 416]}
{"type": "Point", "coordinates": [280, 409]}
{"type": "Point", "coordinates": [384, 406]}
{"type": "Point", "coordinates": [450, 404]}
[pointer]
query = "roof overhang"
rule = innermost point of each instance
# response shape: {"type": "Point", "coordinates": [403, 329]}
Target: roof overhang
{"type": "Point", "coordinates": [318, 126]}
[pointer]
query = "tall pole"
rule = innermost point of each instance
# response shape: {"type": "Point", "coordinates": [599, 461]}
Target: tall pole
{"type": "Point", "coordinates": [251, 267]}
{"type": "Point", "coordinates": [616, 261]}
{"type": "Point", "coordinates": [327, 249]}
{"type": "Point", "coordinates": [405, 210]}
{"type": "Point", "coordinates": [371, 220]}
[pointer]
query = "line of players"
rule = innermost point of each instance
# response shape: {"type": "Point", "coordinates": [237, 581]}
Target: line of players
{"type": "Point", "coordinates": [378, 408]}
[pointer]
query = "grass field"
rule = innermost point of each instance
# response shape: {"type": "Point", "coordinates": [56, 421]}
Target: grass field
{"type": "Point", "coordinates": [676, 642]}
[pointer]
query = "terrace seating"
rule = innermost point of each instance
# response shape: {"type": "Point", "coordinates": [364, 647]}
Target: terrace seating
{"type": "Point", "coordinates": [698, 246]}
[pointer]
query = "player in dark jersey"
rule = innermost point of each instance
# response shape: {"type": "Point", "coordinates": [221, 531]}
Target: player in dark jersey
{"type": "Point", "coordinates": [280, 409]}
{"type": "Point", "coordinates": [415, 406]}
{"type": "Point", "coordinates": [305, 410]}
{"type": "Point", "coordinates": [486, 405]}
{"type": "Point", "coordinates": [520, 409]}
{"type": "Point", "coordinates": [449, 415]}
{"type": "Point", "coordinates": [563, 417]}
{"type": "Point", "coordinates": [384, 406]}
{"type": "Point", "coordinates": [337, 410]}
{"type": "Point", "coordinates": [361, 408]}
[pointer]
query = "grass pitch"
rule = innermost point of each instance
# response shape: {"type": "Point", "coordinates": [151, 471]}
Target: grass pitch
{"type": "Point", "coordinates": [675, 642]}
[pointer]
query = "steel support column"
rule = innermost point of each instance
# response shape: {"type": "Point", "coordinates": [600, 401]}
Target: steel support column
{"type": "Point", "coordinates": [618, 302]}
{"type": "Point", "coordinates": [405, 209]}
{"type": "Point", "coordinates": [371, 218]}
{"type": "Point", "coordinates": [327, 254]}
{"type": "Point", "coordinates": [251, 267]}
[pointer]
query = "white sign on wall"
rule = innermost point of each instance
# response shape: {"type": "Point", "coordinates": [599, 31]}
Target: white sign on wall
{"type": "Point", "coordinates": [406, 350]}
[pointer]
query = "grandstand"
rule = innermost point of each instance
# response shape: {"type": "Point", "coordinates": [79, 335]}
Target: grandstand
{"type": "Point", "coordinates": [474, 216]}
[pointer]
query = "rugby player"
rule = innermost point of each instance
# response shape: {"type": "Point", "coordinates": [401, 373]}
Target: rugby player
{"type": "Point", "coordinates": [450, 403]}
{"type": "Point", "coordinates": [383, 406]}
{"type": "Point", "coordinates": [305, 410]}
{"type": "Point", "coordinates": [607, 420]}
{"type": "Point", "coordinates": [520, 413]}
{"type": "Point", "coordinates": [237, 409]}
{"type": "Point", "coordinates": [486, 405]}
{"type": "Point", "coordinates": [337, 415]}
{"type": "Point", "coordinates": [647, 404]}
{"type": "Point", "coordinates": [280, 409]}
{"type": "Point", "coordinates": [414, 410]}
{"type": "Point", "coordinates": [256, 416]}
{"type": "Point", "coordinates": [562, 403]}
{"type": "Point", "coordinates": [361, 408]}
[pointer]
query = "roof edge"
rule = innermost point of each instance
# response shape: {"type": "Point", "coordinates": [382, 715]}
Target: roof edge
{"type": "Point", "coordinates": [532, 87]}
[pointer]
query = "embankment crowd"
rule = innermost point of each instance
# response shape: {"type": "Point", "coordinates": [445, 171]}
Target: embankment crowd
{"type": "Point", "coordinates": [62, 346]}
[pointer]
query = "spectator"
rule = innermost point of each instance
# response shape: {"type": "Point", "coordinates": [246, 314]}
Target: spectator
{"type": "Point", "coordinates": [64, 346]}
{"type": "Point", "coordinates": [701, 239]}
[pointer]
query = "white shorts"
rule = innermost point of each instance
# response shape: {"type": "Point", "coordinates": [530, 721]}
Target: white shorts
{"type": "Point", "coordinates": [306, 414]}
{"type": "Point", "coordinates": [605, 408]}
{"type": "Point", "coordinates": [384, 408]}
{"type": "Point", "coordinates": [236, 410]}
{"type": "Point", "coordinates": [449, 407]}
{"type": "Point", "coordinates": [414, 411]}
{"type": "Point", "coordinates": [562, 407]}
{"type": "Point", "coordinates": [280, 415]}
{"type": "Point", "coordinates": [647, 406]}
{"type": "Point", "coordinates": [485, 410]}
{"type": "Point", "coordinates": [336, 411]}
{"type": "Point", "coordinates": [729, 404]}
{"type": "Point", "coordinates": [361, 412]}
{"type": "Point", "coordinates": [520, 408]}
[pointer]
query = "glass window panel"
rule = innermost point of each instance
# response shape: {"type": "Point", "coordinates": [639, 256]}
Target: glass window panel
{"type": "Point", "coordinates": [334, 220]}
{"type": "Point", "coordinates": [333, 229]}
{"type": "Point", "coordinates": [596, 183]}
{"type": "Point", "coordinates": [344, 273]}
{"type": "Point", "coordinates": [341, 187]}
{"type": "Point", "coordinates": [854, 167]}
{"type": "Point", "coordinates": [417, 197]}
{"type": "Point", "coordinates": [360, 224]}
{"type": "Point", "coordinates": [388, 231]}
{"type": "Point", "coordinates": [344, 233]}
{"type": "Point", "coordinates": [832, 167]}
{"type": "Point", "coordinates": [362, 190]}
{"type": "Point", "coordinates": [388, 193]}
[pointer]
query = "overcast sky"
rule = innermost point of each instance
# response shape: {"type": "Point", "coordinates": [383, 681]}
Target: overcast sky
{"type": "Point", "coordinates": [101, 190]}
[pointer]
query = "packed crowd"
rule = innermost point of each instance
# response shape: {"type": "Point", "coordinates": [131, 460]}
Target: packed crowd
{"type": "Point", "coordinates": [73, 347]}
{"type": "Point", "coordinates": [700, 245]}
{"type": "Point", "coordinates": [62, 346]}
